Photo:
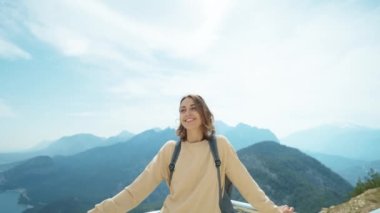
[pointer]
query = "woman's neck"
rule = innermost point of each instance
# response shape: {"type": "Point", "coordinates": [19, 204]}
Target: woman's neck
{"type": "Point", "coordinates": [194, 136]}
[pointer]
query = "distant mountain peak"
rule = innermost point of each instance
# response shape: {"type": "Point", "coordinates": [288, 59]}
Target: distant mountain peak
{"type": "Point", "coordinates": [79, 135]}
{"type": "Point", "coordinates": [244, 125]}
{"type": "Point", "coordinates": [124, 133]}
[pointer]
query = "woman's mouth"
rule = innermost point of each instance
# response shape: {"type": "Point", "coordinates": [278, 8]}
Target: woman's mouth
{"type": "Point", "coordinates": [189, 120]}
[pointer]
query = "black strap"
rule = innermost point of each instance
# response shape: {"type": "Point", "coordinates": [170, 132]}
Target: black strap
{"type": "Point", "coordinates": [225, 203]}
{"type": "Point", "coordinates": [215, 154]}
{"type": "Point", "coordinates": [175, 155]}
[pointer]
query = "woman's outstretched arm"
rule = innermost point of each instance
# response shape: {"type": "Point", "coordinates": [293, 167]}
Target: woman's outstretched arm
{"type": "Point", "coordinates": [141, 187]}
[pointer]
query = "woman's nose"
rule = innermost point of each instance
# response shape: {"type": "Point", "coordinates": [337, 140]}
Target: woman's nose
{"type": "Point", "coordinates": [187, 112]}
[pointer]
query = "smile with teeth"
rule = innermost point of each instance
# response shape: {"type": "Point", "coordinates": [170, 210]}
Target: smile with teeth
{"type": "Point", "coordinates": [189, 120]}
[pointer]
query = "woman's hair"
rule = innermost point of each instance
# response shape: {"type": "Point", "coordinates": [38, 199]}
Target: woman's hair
{"type": "Point", "coordinates": [207, 118]}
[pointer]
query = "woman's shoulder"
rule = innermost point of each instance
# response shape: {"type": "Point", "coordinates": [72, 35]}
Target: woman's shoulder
{"type": "Point", "coordinates": [222, 140]}
{"type": "Point", "coordinates": [224, 145]}
{"type": "Point", "coordinates": [169, 145]}
{"type": "Point", "coordinates": [167, 149]}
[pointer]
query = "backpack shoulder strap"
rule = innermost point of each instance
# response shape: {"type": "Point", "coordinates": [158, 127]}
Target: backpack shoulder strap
{"type": "Point", "coordinates": [175, 154]}
{"type": "Point", "coordinates": [214, 151]}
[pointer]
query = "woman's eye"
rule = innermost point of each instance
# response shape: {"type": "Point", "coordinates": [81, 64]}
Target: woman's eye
{"type": "Point", "coordinates": [182, 110]}
{"type": "Point", "coordinates": [193, 108]}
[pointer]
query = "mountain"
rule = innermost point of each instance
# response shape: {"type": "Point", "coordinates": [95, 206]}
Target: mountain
{"type": "Point", "coordinates": [366, 202]}
{"type": "Point", "coordinates": [243, 135]}
{"type": "Point", "coordinates": [121, 137]}
{"type": "Point", "coordinates": [350, 141]}
{"type": "Point", "coordinates": [67, 145]}
{"type": "Point", "coordinates": [75, 183]}
{"type": "Point", "coordinates": [289, 176]}
{"type": "Point", "coordinates": [72, 144]}
{"type": "Point", "coordinates": [64, 146]}
{"type": "Point", "coordinates": [86, 177]}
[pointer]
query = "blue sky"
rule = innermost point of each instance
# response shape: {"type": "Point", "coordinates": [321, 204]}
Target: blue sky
{"type": "Point", "coordinates": [101, 67]}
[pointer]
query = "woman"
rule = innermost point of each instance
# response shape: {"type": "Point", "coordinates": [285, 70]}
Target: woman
{"type": "Point", "coordinates": [194, 186]}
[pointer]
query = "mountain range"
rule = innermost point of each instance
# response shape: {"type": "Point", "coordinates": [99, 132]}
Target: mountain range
{"type": "Point", "coordinates": [67, 145]}
{"type": "Point", "coordinates": [241, 135]}
{"type": "Point", "coordinates": [75, 183]}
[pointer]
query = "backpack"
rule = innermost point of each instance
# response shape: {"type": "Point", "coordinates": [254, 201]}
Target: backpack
{"type": "Point", "coordinates": [225, 204]}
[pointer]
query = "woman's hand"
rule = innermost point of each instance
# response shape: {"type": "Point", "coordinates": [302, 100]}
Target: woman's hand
{"type": "Point", "coordinates": [286, 209]}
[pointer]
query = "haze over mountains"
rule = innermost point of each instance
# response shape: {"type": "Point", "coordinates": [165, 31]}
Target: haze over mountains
{"type": "Point", "coordinates": [350, 150]}
{"type": "Point", "coordinates": [67, 145]}
{"type": "Point", "coordinates": [242, 135]}
{"type": "Point", "coordinates": [72, 178]}
{"type": "Point", "coordinates": [350, 141]}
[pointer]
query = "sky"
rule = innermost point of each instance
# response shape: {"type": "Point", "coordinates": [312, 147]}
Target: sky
{"type": "Point", "coordinates": [101, 67]}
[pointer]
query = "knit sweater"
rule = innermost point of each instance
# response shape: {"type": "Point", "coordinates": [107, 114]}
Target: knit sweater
{"type": "Point", "coordinates": [194, 185]}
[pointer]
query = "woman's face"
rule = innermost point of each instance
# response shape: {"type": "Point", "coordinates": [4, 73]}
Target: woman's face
{"type": "Point", "coordinates": [189, 116]}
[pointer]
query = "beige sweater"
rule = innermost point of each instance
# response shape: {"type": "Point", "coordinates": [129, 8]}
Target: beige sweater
{"type": "Point", "coordinates": [194, 186]}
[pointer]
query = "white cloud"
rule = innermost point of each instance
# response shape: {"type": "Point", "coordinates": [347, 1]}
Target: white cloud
{"type": "Point", "coordinates": [289, 67]}
{"type": "Point", "coordinates": [12, 51]}
{"type": "Point", "coordinates": [95, 29]}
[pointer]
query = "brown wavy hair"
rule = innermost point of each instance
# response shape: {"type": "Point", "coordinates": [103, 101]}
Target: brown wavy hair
{"type": "Point", "coordinates": [207, 125]}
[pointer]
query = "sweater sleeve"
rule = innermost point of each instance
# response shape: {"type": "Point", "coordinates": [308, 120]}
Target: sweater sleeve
{"type": "Point", "coordinates": [141, 187]}
{"type": "Point", "coordinates": [244, 182]}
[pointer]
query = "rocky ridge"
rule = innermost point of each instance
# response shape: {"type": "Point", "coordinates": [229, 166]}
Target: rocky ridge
{"type": "Point", "coordinates": [365, 202]}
